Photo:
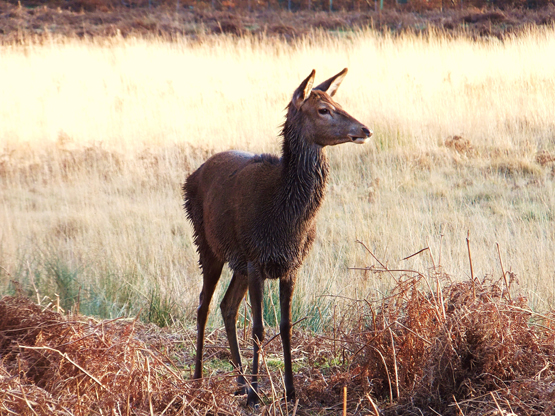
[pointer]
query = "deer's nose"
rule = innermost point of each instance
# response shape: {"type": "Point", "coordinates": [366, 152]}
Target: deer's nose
{"type": "Point", "coordinates": [366, 131]}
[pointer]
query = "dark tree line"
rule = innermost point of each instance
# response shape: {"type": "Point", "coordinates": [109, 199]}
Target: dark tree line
{"type": "Point", "coordinates": [292, 5]}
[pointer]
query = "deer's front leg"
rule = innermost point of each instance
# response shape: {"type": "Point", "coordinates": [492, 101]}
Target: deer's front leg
{"type": "Point", "coordinates": [286, 286]}
{"type": "Point", "coordinates": [256, 294]}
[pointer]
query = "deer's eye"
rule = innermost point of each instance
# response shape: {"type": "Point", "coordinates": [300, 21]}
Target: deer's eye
{"type": "Point", "coordinates": [323, 111]}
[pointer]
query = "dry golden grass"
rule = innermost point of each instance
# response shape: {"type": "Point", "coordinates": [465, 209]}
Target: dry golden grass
{"type": "Point", "coordinates": [96, 137]}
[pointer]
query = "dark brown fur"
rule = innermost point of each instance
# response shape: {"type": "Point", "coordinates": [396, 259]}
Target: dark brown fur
{"type": "Point", "coordinates": [257, 212]}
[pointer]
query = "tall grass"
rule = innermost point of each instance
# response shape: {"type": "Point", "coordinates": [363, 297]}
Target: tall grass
{"type": "Point", "coordinates": [96, 137]}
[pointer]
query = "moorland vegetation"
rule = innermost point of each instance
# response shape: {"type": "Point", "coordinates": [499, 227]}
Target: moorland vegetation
{"type": "Point", "coordinates": [101, 129]}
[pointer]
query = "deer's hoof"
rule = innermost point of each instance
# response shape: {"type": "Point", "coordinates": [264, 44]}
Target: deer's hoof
{"type": "Point", "coordinates": [290, 395]}
{"type": "Point", "coordinates": [252, 399]}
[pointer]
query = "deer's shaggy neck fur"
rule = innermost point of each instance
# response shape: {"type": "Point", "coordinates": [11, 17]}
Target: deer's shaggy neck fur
{"type": "Point", "coordinates": [304, 175]}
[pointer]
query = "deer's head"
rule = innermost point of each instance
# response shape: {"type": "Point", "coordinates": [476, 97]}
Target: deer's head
{"type": "Point", "coordinates": [322, 120]}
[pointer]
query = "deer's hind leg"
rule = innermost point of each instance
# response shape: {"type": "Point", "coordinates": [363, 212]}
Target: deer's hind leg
{"type": "Point", "coordinates": [211, 271]}
{"type": "Point", "coordinates": [230, 308]}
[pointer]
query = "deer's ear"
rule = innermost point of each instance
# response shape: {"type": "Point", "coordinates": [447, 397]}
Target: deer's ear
{"type": "Point", "coordinates": [303, 91]}
{"type": "Point", "coordinates": [331, 85]}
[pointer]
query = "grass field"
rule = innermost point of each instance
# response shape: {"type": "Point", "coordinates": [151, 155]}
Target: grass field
{"type": "Point", "coordinates": [97, 136]}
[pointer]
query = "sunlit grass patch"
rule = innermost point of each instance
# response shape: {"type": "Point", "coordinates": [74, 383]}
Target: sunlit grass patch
{"type": "Point", "coordinates": [95, 145]}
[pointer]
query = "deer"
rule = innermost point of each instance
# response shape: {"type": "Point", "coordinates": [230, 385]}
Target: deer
{"type": "Point", "coordinates": [257, 213]}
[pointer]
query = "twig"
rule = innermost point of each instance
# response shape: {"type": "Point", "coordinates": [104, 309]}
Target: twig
{"type": "Point", "coordinates": [342, 297]}
{"type": "Point", "coordinates": [369, 342]}
{"type": "Point", "coordinates": [245, 323]}
{"type": "Point", "coordinates": [37, 293]}
{"type": "Point", "coordinates": [538, 376]}
{"type": "Point", "coordinates": [109, 321]}
{"type": "Point", "coordinates": [374, 407]}
{"type": "Point", "coordinates": [168, 406]}
{"type": "Point", "coordinates": [440, 246]}
{"type": "Point", "coordinates": [414, 333]}
{"type": "Point", "coordinates": [263, 356]}
{"type": "Point", "coordinates": [503, 271]}
{"type": "Point", "coordinates": [418, 252]}
{"type": "Point", "coordinates": [295, 408]}
{"type": "Point", "coordinates": [434, 304]}
{"type": "Point", "coordinates": [334, 342]}
{"type": "Point", "coordinates": [6, 271]}
{"type": "Point", "coordinates": [496, 404]}
{"type": "Point", "coordinates": [471, 269]}
{"type": "Point", "coordinates": [279, 333]}
{"type": "Point", "coordinates": [133, 323]}
{"type": "Point", "coordinates": [387, 373]}
{"type": "Point", "coordinates": [77, 340]}
{"type": "Point", "coordinates": [395, 363]}
{"type": "Point", "coordinates": [8, 410]}
{"type": "Point", "coordinates": [148, 388]}
{"type": "Point", "coordinates": [372, 269]}
{"type": "Point", "coordinates": [509, 405]}
{"type": "Point", "coordinates": [345, 401]}
{"type": "Point", "coordinates": [161, 362]}
{"type": "Point", "coordinates": [27, 401]}
{"type": "Point", "coordinates": [190, 404]}
{"type": "Point", "coordinates": [375, 258]}
{"type": "Point", "coordinates": [473, 399]}
{"type": "Point", "coordinates": [64, 355]}
{"type": "Point", "coordinates": [440, 297]}
{"type": "Point", "coordinates": [458, 407]}
{"type": "Point", "coordinates": [432, 258]}
{"type": "Point", "coordinates": [531, 313]}
{"type": "Point", "coordinates": [5, 331]}
{"type": "Point", "coordinates": [376, 270]}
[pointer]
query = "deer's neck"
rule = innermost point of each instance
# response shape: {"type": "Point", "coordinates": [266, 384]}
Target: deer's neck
{"type": "Point", "coordinates": [304, 178]}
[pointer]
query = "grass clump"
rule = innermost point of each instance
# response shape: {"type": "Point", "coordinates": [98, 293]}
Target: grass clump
{"type": "Point", "coordinates": [56, 280]}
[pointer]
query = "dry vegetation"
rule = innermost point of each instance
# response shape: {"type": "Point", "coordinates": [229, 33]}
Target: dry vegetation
{"type": "Point", "coordinates": [98, 134]}
{"type": "Point", "coordinates": [433, 346]}
{"type": "Point", "coordinates": [39, 22]}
